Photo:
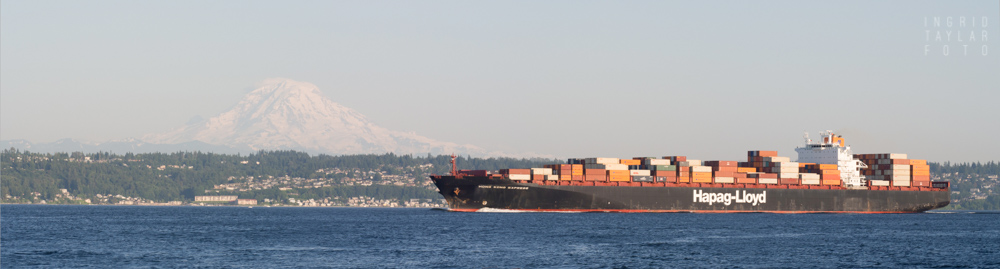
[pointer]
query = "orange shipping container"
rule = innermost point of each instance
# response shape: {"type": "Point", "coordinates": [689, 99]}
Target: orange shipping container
{"type": "Point", "coordinates": [918, 162]}
{"type": "Point", "coordinates": [701, 174]}
{"type": "Point", "coordinates": [831, 182]}
{"type": "Point", "coordinates": [765, 153]}
{"type": "Point", "coordinates": [746, 169]}
{"type": "Point", "coordinates": [626, 177]}
{"type": "Point", "coordinates": [618, 172]}
{"type": "Point", "coordinates": [920, 173]}
{"type": "Point", "coordinates": [701, 180]}
{"type": "Point", "coordinates": [827, 166]}
{"type": "Point", "coordinates": [631, 162]}
{"type": "Point", "coordinates": [829, 172]}
{"type": "Point", "coordinates": [830, 177]}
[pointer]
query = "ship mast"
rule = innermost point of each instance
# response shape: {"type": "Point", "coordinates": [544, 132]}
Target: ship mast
{"type": "Point", "coordinates": [453, 170]}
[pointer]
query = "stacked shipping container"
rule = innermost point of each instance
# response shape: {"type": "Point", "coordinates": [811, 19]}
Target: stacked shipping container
{"type": "Point", "coordinates": [894, 169]}
{"type": "Point", "coordinates": [761, 167]}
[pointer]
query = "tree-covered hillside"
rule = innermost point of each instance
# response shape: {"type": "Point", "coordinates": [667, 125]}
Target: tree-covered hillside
{"type": "Point", "coordinates": [182, 175]}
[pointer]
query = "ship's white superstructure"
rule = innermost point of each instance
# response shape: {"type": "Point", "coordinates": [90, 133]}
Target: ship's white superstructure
{"type": "Point", "coordinates": [833, 151]}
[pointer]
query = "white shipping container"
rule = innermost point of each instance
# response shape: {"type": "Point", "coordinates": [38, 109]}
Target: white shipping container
{"type": "Point", "coordinates": [788, 169]}
{"type": "Point", "coordinates": [616, 166]}
{"type": "Point", "coordinates": [787, 164]}
{"type": "Point", "coordinates": [541, 171]}
{"type": "Point", "coordinates": [767, 181]}
{"type": "Point", "coordinates": [724, 180]}
{"type": "Point", "coordinates": [900, 167]}
{"type": "Point", "coordinates": [602, 160]}
{"type": "Point", "coordinates": [638, 172]}
{"type": "Point", "coordinates": [656, 162]}
{"type": "Point", "coordinates": [551, 177]}
{"type": "Point", "coordinates": [810, 181]}
{"type": "Point", "coordinates": [788, 175]}
{"type": "Point", "coordinates": [879, 182]}
{"type": "Point", "coordinates": [776, 159]}
{"type": "Point", "coordinates": [701, 169]}
{"type": "Point", "coordinates": [901, 183]}
{"type": "Point", "coordinates": [897, 156]}
{"type": "Point", "coordinates": [689, 163]}
{"type": "Point", "coordinates": [900, 177]}
{"type": "Point", "coordinates": [805, 176]}
{"type": "Point", "coordinates": [519, 177]}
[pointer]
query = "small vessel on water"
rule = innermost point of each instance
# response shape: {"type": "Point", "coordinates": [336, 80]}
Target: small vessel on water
{"type": "Point", "coordinates": [827, 177]}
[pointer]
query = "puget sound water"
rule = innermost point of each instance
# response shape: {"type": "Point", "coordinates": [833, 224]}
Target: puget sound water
{"type": "Point", "coordinates": [50, 236]}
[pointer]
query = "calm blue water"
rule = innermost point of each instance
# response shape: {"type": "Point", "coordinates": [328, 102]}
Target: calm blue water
{"type": "Point", "coordinates": [122, 236]}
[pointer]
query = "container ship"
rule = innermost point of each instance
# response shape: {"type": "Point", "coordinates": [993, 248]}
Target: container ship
{"type": "Point", "coordinates": [826, 178]}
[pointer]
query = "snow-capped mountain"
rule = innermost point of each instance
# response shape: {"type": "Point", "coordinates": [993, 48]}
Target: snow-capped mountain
{"type": "Point", "coordinates": [293, 115]}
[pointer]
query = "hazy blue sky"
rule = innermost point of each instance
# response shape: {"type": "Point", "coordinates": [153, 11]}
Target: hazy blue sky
{"type": "Point", "coordinates": [569, 78]}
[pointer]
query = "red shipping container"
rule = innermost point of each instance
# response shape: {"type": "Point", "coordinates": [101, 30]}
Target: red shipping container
{"type": "Point", "coordinates": [594, 171]}
{"type": "Point", "coordinates": [788, 181]}
{"type": "Point", "coordinates": [920, 183]}
{"type": "Point", "coordinates": [743, 180]}
{"type": "Point", "coordinates": [537, 177]}
{"type": "Point", "coordinates": [664, 173]}
{"type": "Point", "coordinates": [578, 177]}
{"type": "Point", "coordinates": [595, 177]}
{"type": "Point", "coordinates": [921, 178]}
{"type": "Point", "coordinates": [723, 174]}
{"type": "Point", "coordinates": [768, 175]}
{"type": "Point", "coordinates": [515, 171]}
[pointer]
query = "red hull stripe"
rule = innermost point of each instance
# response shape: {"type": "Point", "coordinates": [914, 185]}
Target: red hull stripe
{"type": "Point", "coordinates": [685, 211]}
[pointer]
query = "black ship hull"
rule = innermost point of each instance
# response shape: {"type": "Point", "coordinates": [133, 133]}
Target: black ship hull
{"type": "Point", "coordinates": [477, 193]}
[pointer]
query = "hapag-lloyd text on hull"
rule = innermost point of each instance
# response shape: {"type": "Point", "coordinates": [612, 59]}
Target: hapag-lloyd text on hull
{"type": "Point", "coordinates": [729, 198]}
